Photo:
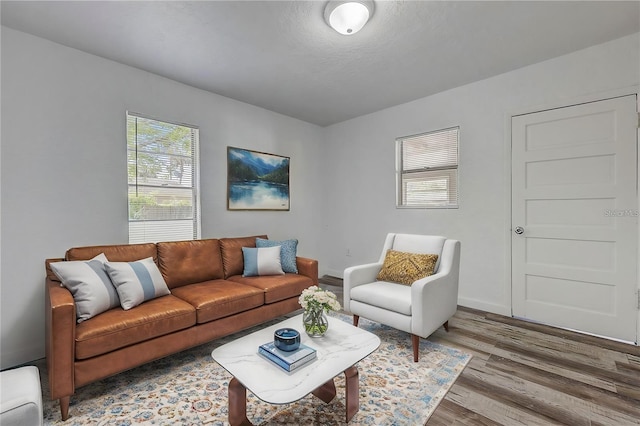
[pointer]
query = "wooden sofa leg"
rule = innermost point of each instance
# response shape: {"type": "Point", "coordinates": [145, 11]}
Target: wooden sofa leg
{"type": "Point", "coordinates": [64, 407]}
{"type": "Point", "coordinates": [356, 318]}
{"type": "Point", "coordinates": [446, 326]}
{"type": "Point", "coordinates": [415, 341]}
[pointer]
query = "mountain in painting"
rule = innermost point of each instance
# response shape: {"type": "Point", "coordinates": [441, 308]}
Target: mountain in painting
{"type": "Point", "coordinates": [247, 166]}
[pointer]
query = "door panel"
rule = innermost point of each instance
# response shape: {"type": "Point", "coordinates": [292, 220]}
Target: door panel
{"type": "Point", "coordinates": [574, 193]}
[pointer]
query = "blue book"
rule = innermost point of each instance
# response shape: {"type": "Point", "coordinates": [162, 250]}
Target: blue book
{"type": "Point", "coordinates": [288, 361]}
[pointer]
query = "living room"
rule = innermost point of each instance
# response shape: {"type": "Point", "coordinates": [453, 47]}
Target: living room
{"type": "Point", "coordinates": [64, 178]}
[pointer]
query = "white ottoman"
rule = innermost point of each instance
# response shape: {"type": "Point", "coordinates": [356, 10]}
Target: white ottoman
{"type": "Point", "coordinates": [20, 397]}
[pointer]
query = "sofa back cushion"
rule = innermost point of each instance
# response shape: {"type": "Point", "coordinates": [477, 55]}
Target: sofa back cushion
{"type": "Point", "coordinates": [422, 244]}
{"type": "Point", "coordinates": [115, 253]}
{"type": "Point", "coordinates": [189, 262]}
{"type": "Point", "coordinates": [232, 258]}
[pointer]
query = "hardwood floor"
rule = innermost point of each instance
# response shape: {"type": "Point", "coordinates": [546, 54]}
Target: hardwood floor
{"type": "Point", "coordinates": [524, 373]}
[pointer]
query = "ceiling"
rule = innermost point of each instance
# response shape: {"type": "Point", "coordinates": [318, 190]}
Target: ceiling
{"type": "Point", "coordinates": [280, 55]}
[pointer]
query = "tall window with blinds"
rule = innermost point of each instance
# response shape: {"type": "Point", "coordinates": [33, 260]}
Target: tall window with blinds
{"type": "Point", "coordinates": [427, 169]}
{"type": "Point", "coordinates": [162, 164]}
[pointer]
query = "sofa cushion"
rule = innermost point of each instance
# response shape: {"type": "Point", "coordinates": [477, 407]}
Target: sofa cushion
{"type": "Point", "coordinates": [261, 261]}
{"type": "Point", "coordinates": [276, 287]}
{"type": "Point", "coordinates": [115, 253]}
{"type": "Point", "coordinates": [288, 252]}
{"type": "Point", "coordinates": [88, 282]}
{"type": "Point", "coordinates": [219, 298]}
{"type": "Point", "coordinates": [188, 262]}
{"type": "Point", "coordinates": [136, 282]}
{"type": "Point", "coordinates": [231, 249]}
{"type": "Point", "coordinates": [118, 328]}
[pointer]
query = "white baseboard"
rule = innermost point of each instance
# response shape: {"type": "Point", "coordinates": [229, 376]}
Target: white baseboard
{"type": "Point", "coordinates": [485, 306]}
{"type": "Point", "coordinates": [332, 272]}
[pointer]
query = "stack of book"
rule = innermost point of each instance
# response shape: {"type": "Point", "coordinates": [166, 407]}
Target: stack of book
{"type": "Point", "coordinates": [288, 361]}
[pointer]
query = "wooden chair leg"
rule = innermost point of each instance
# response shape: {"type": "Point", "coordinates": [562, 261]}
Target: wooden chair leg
{"type": "Point", "coordinates": [415, 341]}
{"type": "Point", "coordinates": [356, 318]}
{"type": "Point", "coordinates": [446, 326]}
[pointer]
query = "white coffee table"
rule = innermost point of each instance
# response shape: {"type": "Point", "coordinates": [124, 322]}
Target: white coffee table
{"type": "Point", "coordinates": [338, 351]}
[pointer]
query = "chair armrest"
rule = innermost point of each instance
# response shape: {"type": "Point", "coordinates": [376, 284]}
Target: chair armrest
{"type": "Point", "coordinates": [308, 268]}
{"type": "Point", "coordinates": [60, 331]}
{"type": "Point", "coordinates": [434, 299]}
{"type": "Point", "coordinates": [358, 275]}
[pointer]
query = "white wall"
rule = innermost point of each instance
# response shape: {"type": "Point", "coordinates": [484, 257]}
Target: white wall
{"type": "Point", "coordinates": [63, 171]}
{"type": "Point", "coordinates": [360, 189]}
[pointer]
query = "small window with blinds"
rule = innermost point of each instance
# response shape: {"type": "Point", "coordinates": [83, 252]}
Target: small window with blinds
{"type": "Point", "coordinates": [162, 165]}
{"type": "Point", "coordinates": [427, 169]}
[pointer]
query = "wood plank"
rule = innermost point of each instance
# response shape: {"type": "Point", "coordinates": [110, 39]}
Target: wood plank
{"type": "Point", "coordinates": [524, 395]}
{"type": "Point", "coordinates": [632, 392]}
{"type": "Point", "coordinates": [569, 364]}
{"type": "Point", "coordinates": [630, 369]}
{"type": "Point", "coordinates": [633, 360]}
{"type": "Point", "coordinates": [450, 413]}
{"type": "Point", "coordinates": [488, 405]}
{"type": "Point", "coordinates": [568, 386]}
{"type": "Point", "coordinates": [535, 374]}
{"type": "Point", "coordinates": [567, 334]}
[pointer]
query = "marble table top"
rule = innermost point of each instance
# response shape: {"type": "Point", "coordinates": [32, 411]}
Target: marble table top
{"type": "Point", "coordinates": [342, 346]}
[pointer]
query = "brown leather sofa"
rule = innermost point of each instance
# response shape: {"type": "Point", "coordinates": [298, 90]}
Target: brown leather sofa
{"type": "Point", "coordinates": [209, 299]}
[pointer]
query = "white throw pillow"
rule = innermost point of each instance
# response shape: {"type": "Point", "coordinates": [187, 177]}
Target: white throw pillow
{"type": "Point", "coordinates": [288, 252]}
{"type": "Point", "coordinates": [136, 282]}
{"type": "Point", "coordinates": [261, 261]}
{"type": "Point", "coordinates": [88, 282]}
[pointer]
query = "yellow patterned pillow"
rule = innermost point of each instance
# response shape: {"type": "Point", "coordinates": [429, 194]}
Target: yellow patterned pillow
{"type": "Point", "coordinates": [405, 268]}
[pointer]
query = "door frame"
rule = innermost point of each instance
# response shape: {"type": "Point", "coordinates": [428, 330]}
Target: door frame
{"type": "Point", "coordinates": [559, 103]}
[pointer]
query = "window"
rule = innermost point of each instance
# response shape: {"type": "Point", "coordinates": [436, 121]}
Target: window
{"type": "Point", "coordinates": [162, 164]}
{"type": "Point", "coordinates": [427, 169]}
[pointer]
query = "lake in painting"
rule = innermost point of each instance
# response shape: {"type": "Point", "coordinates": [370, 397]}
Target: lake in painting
{"type": "Point", "coordinates": [263, 195]}
{"type": "Point", "coordinates": [256, 180]}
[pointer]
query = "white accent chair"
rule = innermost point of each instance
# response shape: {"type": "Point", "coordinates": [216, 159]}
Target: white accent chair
{"type": "Point", "coordinates": [21, 397]}
{"type": "Point", "coordinates": [419, 309]}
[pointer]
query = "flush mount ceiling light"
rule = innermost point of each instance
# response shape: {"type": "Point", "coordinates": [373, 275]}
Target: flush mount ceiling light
{"type": "Point", "coordinates": [348, 17]}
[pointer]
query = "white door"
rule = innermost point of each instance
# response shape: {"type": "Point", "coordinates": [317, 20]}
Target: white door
{"type": "Point", "coordinates": [575, 217]}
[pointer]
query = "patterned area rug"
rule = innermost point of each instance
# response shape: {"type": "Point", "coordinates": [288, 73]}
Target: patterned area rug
{"type": "Point", "coordinates": [189, 388]}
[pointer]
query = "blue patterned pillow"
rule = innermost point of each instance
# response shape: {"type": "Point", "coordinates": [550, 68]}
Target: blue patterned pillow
{"type": "Point", "coordinates": [136, 282]}
{"type": "Point", "coordinates": [288, 252]}
{"type": "Point", "coordinates": [261, 261]}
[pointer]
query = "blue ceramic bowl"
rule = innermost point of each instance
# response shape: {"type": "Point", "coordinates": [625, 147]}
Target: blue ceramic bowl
{"type": "Point", "coordinates": [286, 339]}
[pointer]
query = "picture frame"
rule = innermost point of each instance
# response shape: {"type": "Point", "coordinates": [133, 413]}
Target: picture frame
{"type": "Point", "coordinates": [257, 180]}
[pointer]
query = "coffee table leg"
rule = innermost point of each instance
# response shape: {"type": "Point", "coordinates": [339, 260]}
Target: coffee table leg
{"type": "Point", "coordinates": [237, 404]}
{"type": "Point", "coordinates": [352, 391]}
{"type": "Point", "coordinates": [326, 392]}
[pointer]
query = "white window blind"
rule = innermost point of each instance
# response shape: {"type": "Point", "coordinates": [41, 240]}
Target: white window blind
{"type": "Point", "coordinates": [427, 169]}
{"type": "Point", "coordinates": [162, 165]}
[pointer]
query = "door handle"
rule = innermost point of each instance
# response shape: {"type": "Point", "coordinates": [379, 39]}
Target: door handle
{"type": "Point", "coordinates": [519, 230]}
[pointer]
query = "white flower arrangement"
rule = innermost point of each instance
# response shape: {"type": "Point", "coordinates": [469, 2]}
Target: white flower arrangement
{"type": "Point", "coordinates": [316, 298]}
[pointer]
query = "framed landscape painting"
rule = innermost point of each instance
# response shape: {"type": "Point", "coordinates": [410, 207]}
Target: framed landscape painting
{"type": "Point", "coordinates": [257, 180]}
